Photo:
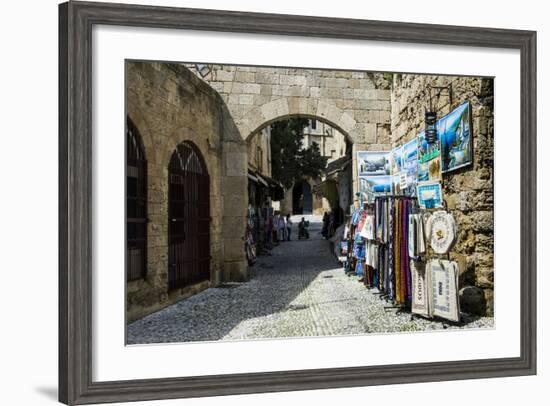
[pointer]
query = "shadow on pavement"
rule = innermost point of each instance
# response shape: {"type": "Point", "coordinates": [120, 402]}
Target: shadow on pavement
{"type": "Point", "coordinates": [275, 283]}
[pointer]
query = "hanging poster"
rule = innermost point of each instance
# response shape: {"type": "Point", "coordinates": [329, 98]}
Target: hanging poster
{"type": "Point", "coordinates": [409, 165]}
{"type": "Point", "coordinates": [372, 163]}
{"type": "Point", "coordinates": [375, 184]}
{"type": "Point", "coordinates": [427, 152]}
{"type": "Point", "coordinates": [455, 138]}
{"type": "Point", "coordinates": [396, 185]}
{"type": "Point", "coordinates": [429, 160]}
{"type": "Point", "coordinates": [402, 180]}
{"type": "Point", "coordinates": [429, 195]}
{"type": "Point", "coordinates": [395, 160]}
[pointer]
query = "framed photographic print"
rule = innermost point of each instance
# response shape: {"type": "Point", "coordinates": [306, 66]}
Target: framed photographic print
{"type": "Point", "coordinates": [456, 143]}
{"type": "Point", "coordinates": [430, 195]}
{"type": "Point", "coordinates": [227, 219]}
{"type": "Point", "coordinates": [374, 163]}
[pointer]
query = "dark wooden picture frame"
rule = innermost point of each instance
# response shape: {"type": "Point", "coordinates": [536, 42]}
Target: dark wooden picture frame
{"type": "Point", "coordinates": [76, 20]}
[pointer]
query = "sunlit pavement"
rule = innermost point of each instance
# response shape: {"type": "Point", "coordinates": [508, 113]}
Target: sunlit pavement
{"type": "Point", "coordinates": [298, 291]}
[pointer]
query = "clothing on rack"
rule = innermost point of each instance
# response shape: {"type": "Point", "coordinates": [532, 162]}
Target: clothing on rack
{"type": "Point", "coordinates": [385, 244]}
{"type": "Point", "coordinates": [367, 231]}
{"type": "Point", "coordinates": [417, 238]}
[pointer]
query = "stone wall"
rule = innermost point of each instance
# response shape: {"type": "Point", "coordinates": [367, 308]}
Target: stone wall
{"type": "Point", "coordinates": [355, 103]}
{"type": "Point", "coordinates": [468, 191]}
{"type": "Point", "coordinates": [170, 105]}
{"type": "Point", "coordinates": [260, 162]}
{"type": "Point", "coordinates": [332, 143]}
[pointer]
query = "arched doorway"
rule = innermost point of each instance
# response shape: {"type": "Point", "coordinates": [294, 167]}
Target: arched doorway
{"type": "Point", "coordinates": [302, 202]}
{"type": "Point", "coordinates": [188, 217]}
{"type": "Point", "coordinates": [136, 204]}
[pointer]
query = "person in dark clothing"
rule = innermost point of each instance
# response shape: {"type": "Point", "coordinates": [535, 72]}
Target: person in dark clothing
{"type": "Point", "coordinates": [326, 220]}
{"type": "Point", "coordinates": [302, 229]}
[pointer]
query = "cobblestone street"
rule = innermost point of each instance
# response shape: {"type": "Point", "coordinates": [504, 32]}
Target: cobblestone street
{"type": "Point", "coordinates": [300, 290]}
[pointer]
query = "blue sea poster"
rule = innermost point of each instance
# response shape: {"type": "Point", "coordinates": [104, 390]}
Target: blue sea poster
{"type": "Point", "coordinates": [375, 184]}
{"type": "Point", "coordinates": [455, 138]}
{"type": "Point", "coordinates": [429, 195]}
{"type": "Point", "coordinates": [370, 163]}
{"type": "Point", "coordinates": [409, 163]}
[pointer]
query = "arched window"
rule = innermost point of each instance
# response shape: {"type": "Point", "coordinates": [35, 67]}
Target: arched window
{"type": "Point", "coordinates": [188, 217]}
{"type": "Point", "coordinates": [136, 204]}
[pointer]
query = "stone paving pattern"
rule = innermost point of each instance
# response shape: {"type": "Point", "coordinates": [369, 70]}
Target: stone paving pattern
{"type": "Point", "coordinates": [298, 291]}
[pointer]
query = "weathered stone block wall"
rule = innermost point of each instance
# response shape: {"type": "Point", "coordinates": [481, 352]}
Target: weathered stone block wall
{"type": "Point", "coordinates": [468, 191]}
{"type": "Point", "coordinates": [355, 103]}
{"type": "Point", "coordinates": [170, 105]}
{"type": "Point", "coordinates": [260, 140]}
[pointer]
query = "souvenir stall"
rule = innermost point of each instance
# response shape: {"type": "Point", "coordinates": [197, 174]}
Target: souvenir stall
{"type": "Point", "coordinates": [399, 236]}
{"type": "Point", "coordinates": [262, 191]}
{"type": "Point", "coordinates": [401, 251]}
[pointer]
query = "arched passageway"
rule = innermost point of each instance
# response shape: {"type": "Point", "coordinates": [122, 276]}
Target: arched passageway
{"type": "Point", "coordinates": [302, 202]}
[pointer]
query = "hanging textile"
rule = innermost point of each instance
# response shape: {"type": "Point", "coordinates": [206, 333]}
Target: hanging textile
{"type": "Point", "coordinates": [420, 284]}
{"type": "Point", "coordinates": [355, 217]}
{"type": "Point", "coordinates": [368, 229]}
{"type": "Point", "coordinates": [417, 243]}
{"type": "Point", "coordinates": [397, 252]}
{"type": "Point", "coordinates": [408, 279]}
{"type": "Point", "coordinates": [371, 258]}
{"type": "Point", "coordinates": [444, 289]}
{"type": "Point", "coordinates": [386, 244]}
{"type": "Point", "coordinates": [359, 269]}
{"type": "Point", "coordinates": [391, 268]}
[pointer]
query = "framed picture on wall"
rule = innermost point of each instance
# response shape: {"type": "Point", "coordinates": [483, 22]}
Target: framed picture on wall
{"type": "Point", "coordinates": [212, 202]}
{"type": "Point", "coordinates": [455, 138]}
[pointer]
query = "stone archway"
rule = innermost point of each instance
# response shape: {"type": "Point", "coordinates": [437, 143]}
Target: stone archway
{"type": "Point", "coordinates": [280, 109]}
{"type": "Point", "coordinates": [355, 103]}
{"type": "Point", "coordinates": [259, 118]}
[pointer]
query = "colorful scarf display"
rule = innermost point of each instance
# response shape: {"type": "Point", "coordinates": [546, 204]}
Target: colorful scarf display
{"type": "Point", "coordinates": [386, 246]}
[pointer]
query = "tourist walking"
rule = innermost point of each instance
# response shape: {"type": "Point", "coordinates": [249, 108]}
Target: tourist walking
{"type": "Point", "coordinates": [303, 231]}
{"type": "Point", "coordinates": [276, 228]}
{"type": "Point", "coordinates": [288, 227]}
{"type": "Point", "coordinates": [269, 231]}
{"type": "Point", "coordinates": [324, 230]}
{"type": "Point", "coordinates": [282, 227]}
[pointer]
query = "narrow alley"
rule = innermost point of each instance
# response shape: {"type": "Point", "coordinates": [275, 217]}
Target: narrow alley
{"type": "Point", "coordinates": [298, 291]}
